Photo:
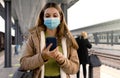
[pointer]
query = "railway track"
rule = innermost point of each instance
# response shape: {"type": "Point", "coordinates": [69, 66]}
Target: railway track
{"type": "Point", "coordinates": [108, 59]}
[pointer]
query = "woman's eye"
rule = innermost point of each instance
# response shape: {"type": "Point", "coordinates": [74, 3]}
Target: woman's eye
{"type": "Point", "coordinates": [47, 16]}
{"type": "Point", "coordinates": [55, 16]}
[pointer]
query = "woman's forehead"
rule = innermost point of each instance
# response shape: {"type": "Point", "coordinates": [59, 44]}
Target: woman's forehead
{"type": "Point", "coordinates": [51, 10]}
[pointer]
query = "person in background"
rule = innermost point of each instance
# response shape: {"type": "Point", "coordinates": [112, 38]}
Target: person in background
{"type": "Point", "coordinates": [16, 49]}
{"type": "Point", "coordinates": [62, 61]}
{"type": "Point", "coordinates": [83, 44]}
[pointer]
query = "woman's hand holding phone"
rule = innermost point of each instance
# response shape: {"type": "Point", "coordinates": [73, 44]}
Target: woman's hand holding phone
{"type": "Point", "coordinates": [55, 54]}
{"type": "Point", "coordinates": [45, 53]}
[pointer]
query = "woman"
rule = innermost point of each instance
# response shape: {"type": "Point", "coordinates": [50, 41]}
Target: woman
{"type": "Point", "coordinates": [83, 44]}
{"type": "Point", "coordinates": [58, 63]}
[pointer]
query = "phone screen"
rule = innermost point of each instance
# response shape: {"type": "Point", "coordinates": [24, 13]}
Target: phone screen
{"type": "Point", "coordinates": [51, 40]}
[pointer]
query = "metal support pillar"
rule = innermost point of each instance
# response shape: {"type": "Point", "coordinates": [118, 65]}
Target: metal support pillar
{"type": "Point", "coordinates": [16, 37]}
{"type": "Point", "coordinates": [96, 38]}
{"type": "Point", "coordinates": [107, 37]}
{"type": "Point", "coordinates": [112, 33]}
{"type": "Point", "coordinates": [8, 33]}
{"type": "Point", "coordinates": [16, 32]}
{"type": "Point", "coordinates": [19, 36]}
{"type": "Point", "coordinates": [64, 8]}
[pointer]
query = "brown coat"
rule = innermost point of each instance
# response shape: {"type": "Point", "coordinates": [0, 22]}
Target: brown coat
{"type": "Point", "coordinates": [32, 60]}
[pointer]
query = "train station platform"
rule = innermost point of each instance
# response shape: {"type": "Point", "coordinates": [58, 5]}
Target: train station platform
{"type": "Point", "coordinates": [105, 71]}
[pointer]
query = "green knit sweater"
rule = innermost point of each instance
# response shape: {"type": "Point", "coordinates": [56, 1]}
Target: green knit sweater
{"type": "Point", "coordinates": [51, 67]}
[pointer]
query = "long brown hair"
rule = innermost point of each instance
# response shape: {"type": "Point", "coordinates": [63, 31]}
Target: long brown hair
{"type": "Point", "coordinates": [62, 30]}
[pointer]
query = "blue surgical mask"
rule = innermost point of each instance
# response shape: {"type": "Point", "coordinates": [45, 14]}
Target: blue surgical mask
{"type": "Point", "coordinates": [51, 23]}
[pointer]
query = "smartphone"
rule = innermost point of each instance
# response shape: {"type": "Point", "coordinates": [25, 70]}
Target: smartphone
{"type": "Point", "coordinates": [51, 40]}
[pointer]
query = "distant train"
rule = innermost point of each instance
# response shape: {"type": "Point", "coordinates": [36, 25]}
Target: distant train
{"type": "Point", "coordinates": [108, 37]}
{"type": "Point", "coordinates": [2, 40]}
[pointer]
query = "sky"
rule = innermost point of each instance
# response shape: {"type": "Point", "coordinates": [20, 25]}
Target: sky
{"type": "Point", "coordinates": [88, 12]}
{"type": "Point", "coordinates": [2, 24]}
